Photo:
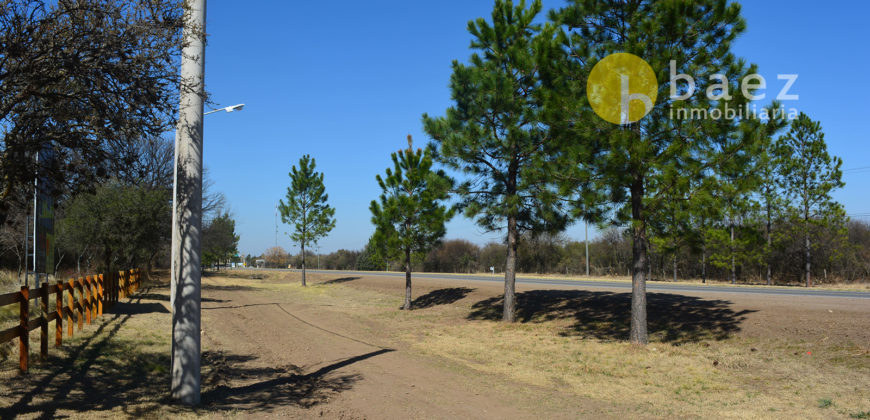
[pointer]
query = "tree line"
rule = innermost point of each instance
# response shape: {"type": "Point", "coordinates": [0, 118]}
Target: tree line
{"type": "Point", "coordinates": [87, 91]}
{"type": "Point", "coordinates": [610, 255]}
{"type": "Point", "coordinates": [534, 142]}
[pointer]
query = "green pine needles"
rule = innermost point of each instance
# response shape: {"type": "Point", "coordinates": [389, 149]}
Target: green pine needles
{"type": "Point", "coordinates": [306, 207]}
{"type": "Point", "coordinates": [410, 217]}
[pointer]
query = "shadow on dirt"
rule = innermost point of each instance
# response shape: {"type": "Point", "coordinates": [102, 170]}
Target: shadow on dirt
{"type": "Point", "coordinates": [164, 297]}
{"type": "Point", "coordinates": [340, 280]}
{"type": "Point", "coordinates": [110, 374]}
{"type": "Point", "coordinates": [440, 297]}
{"type": "Point", "coordinates": [231, 288]}
{"type": "Point", "coordinates": [250, 305]}
{"type": "Point", "coordinates": [274, 386]}
{"type": "Point", "coordinates": [672, 318]}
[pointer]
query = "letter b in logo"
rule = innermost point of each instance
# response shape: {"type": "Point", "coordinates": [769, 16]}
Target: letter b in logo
{"type": "Point", "coordinates": [622, 88]}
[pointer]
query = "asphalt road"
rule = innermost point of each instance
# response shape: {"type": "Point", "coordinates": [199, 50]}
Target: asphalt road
{"type": "Point", "coordinates": [584, 284]}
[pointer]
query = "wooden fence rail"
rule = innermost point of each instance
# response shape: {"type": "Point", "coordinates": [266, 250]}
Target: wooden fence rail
{"type": "Point", "coordinates": [94, 293]}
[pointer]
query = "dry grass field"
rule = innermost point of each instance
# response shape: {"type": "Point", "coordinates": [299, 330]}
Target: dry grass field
{"type": "Point", "coordinates": [340, 348]}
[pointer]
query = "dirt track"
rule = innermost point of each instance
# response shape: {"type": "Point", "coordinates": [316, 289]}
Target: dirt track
{"type": "Point", "coordinates": [273, 349]}
{"type": "Point", "coordinates": [346, 369]}
{"type": "Point", "coordinates": [352, 368]}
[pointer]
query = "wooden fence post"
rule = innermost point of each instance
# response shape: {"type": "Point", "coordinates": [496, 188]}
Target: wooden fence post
{"type": "Point", "coordinates": [58, 322]}
{"type": "Point", "coordinates": [23, 334]}
{"type": "Point", "coordinates": [86, 288]}
{"type": "Point", "coordinates": [43, 328]}
{"type": "Point", "coordinates": [120, 285]}
{"type": "Point", "coordinates": [100, 294]}
{"type": "Point", "coordinates": [69, 319]}
{"type": "Point", "coordinates": [92, 285]}
{"type": "Point", "coordinates": [81, 286]}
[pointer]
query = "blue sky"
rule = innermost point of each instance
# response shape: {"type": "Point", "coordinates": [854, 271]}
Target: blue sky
{"type": "Point", "coordinates": [346, 81]}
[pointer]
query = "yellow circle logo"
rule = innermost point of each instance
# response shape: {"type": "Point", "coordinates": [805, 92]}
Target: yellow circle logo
{"type": "Point", "coordinates": [622, 88]}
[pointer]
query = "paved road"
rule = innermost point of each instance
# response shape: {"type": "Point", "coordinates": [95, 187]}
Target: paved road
{"type": "Point", "coordinates": [583, 284]}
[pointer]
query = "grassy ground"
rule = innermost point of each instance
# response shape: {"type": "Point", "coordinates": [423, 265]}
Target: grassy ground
{"type": "Point", "coordinates": [688, 370]}
{"type": "Point", "coordinates": [698, 363]}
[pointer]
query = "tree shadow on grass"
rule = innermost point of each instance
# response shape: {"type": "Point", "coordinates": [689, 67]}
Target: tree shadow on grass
{"type": "Point", "coordinates": [125, 308]}
{"type": "Point", "coordinates": [109, 371]}
{"type": "Point", "coordinates": [672, 318]}
{"type": "Point", "coordinates": [440, 297]}
{"type": "Point", "coordinates": [340, 280]}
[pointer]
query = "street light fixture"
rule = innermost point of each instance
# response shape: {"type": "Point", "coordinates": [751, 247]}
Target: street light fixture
{"type": "Point", "coordinates": [237, 107]}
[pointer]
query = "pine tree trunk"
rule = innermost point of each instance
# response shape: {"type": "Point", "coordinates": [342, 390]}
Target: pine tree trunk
{"type": "Point", "coordinates": [675, 268]}
{"type": "Point", "coordinates": [704, 263]}
{"type": "Point", "coordinates": [510, 275]}
{"type": "Point", "coordinates": [638, 334]}
{"type": "Point", "coordinates": [303, 264]}
{"type": "Point", "coordinates": [807, 247]}
{"type": "Point", "coordinates": [733, 260]}
{"type": "Point", "coordinates": [767, 254]}
{"type": "Point", "coordinates": [407, 305]}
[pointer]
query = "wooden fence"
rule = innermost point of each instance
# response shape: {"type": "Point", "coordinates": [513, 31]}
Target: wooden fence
{"type": "Point", "coordinates": [95, 293]}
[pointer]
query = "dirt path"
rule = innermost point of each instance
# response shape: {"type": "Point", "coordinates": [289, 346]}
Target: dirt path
{"type": "Point", "coordinates": [317, 362]}
{"type": "Point", "coordinates": [342, 349]}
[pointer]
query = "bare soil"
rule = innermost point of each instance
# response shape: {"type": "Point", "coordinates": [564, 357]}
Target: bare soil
{"type": "Point", "coordinates": [340, 348]}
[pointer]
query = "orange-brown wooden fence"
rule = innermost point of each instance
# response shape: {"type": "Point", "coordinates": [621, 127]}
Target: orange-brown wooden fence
{"type": "Point", "coordinates": [95, 292]}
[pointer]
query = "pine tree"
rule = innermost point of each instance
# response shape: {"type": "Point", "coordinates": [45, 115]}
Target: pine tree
{"type": "Point", "coordinates": [410, 217]}
{"type": "Point", "coordinates": [736, 181]}
{"type": "Point", "coordinates": [769, 188]}
{"type": "Point", "coordinates": [670, 228]}
{"type": "Point", "coordinates": [640, 164]}
{"type": "Point", "coordinates": [306, 206]}
{"type": "Point", "coordinates": [809, 175]}
{"type": "Point", "coordinates": [495, 137]}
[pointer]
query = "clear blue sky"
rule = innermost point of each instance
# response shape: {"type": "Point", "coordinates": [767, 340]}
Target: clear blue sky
{"type": "Point", "coordinates": [346, 81]}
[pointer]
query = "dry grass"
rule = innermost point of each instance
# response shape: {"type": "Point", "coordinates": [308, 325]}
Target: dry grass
{"type": "Point", "coordinates": [116, 367]}
{"type": "Point", "coordinates": [702, 374]}
{"type": "Point", "coordinates": [705, 374]}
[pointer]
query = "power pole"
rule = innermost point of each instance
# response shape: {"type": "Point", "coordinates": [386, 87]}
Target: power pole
{"type": "Point", "coordinates": [276, 226]}
{"type": "Point", "coordinates": [187, 213]}
{"type": "Point", "coordinates": [586, 242]}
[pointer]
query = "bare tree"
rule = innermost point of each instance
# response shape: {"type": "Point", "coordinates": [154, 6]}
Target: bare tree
{"type": "Point", "coordinates": [79, 77]}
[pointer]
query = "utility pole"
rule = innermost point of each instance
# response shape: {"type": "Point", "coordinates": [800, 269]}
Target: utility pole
{"type": "Point", "coordinates": [187, 213]}
{"type": "Point", "coordinates": [276, 226]}
{"type": "Point", "coordinates": [586, 242]}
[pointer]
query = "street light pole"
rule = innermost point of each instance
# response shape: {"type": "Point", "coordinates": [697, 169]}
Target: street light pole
{"type": "Point", "coordinates": [187, 213]}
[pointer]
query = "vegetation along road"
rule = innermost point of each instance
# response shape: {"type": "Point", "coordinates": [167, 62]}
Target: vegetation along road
{"type": "Point", "coordinates": [615, 284]}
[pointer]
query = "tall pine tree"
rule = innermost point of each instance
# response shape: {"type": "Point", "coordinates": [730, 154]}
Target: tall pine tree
{"type": "Point", "coordinates": [640, 164]}
{"type": "Point", "coordinates": [306, 206]}
{"type": "Point", "coordinates": [809, 175]}
{"type": "Point", "coordinates": [410, 217]}
{"type": "Point", "coordinates": [495, 136]}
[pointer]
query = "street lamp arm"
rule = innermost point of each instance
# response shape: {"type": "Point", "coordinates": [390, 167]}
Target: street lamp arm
{"type": "Point", "coordinates": [237, 107]}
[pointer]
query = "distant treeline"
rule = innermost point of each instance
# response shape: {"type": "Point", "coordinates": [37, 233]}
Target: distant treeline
{"type": "Point", "coordinates": [840, 255]}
